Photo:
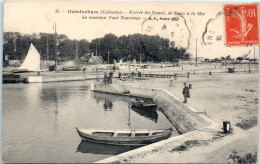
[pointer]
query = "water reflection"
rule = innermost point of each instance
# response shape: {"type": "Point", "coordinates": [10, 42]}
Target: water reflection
{"type": "Point", "coordinates": [100, 97]}
{"type": "Point", "coordinates": [151, 114]}
{"type": "Point", "coordinates": [108, 100]}
{"type": "Point", "coordinates": [44, 117]}
{"type": "Point", "coordinates": [49, 101]}
{"type": "Point", "coordinates": [96, 148]}
{"type": "Point", "coordinates": [108, 105]}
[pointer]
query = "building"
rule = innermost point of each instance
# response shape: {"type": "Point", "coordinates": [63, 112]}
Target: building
{"type": "Point", "coordinates": [95, 59]}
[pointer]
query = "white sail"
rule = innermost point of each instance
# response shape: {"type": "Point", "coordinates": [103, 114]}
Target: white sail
{"type": "Point", "coordinates": [32, 60]}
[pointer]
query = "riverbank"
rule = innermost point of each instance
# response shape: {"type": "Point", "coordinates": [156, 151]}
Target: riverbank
{"type": "Point", "coordinates": [227, 96]}
{"type": "Point", "coordinates": [220, 96]}
{"type": "Point", "coordinates": [154, 69]}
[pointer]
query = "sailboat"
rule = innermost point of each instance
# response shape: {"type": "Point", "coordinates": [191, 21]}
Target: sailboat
{"type": "Point", "coordinates": [31, 62]}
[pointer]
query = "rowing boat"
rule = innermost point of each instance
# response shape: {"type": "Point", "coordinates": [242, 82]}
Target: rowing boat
{"type": "Point", "coordinates": [124, 137]}
{"type": "Point", "coordinates": [138, 103]}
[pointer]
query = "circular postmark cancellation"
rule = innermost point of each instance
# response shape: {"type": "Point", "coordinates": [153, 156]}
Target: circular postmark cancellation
{"type": "Point", "coordinates": [241, 24]}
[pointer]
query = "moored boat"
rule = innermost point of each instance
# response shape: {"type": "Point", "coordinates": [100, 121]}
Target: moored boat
{"type": "Point", "coordinates": [72, 68]}
{"type": "Point", "coordinates": [124, 137]}
{"type": "Point", "coordinates": [13, 78]}
{"type": "Point", "coordinates": [138, 103]}
{"type": "Point", "coordinates": [20, 71]}
{"type": "Point", "coordinates": [31, 62]}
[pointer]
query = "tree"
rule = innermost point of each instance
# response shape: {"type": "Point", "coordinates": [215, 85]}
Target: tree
{"type": "Point", "coordinates": [126, 47]}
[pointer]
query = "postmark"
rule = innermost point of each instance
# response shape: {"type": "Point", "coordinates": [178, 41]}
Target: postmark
{"type": "Point", "coordinates": [241, 24]}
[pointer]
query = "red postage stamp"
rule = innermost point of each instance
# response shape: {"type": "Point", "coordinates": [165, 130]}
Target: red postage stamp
{"type": "Point", "coordinates": [241, 23]}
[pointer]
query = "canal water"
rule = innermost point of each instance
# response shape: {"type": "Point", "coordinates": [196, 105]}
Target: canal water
{"type": "Point", "coordinates": [39, 120]}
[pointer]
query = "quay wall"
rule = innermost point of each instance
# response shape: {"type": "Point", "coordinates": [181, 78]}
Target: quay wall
{"type": "Point", "coordinates": [181, 116]}
{"type": "Point", "coordinates": [34, 79]}
{"type": "Point", "coordinates": [64, 77]}
{"type": "Point", "coordinates": [142, 92]}
{"type": "Point", "coordinates": [45, 79]}
{"type": "Point", "coordinates": [109, 88]}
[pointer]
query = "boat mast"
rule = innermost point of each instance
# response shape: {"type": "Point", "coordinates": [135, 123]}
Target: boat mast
{"type": "Point", "coordinates": [55, 50]}
{"type": "Point", "coordinates": [47, 48]}
{"type": "Point", "coordinates": [96, 51]}
{"type": "Point", "coordinates": [76, 55]}
{"type": "Point", "coordinates": [196, 51]}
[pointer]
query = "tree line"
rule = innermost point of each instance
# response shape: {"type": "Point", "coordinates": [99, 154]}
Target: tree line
{"type": "Point", "coordinates": [110, 47]}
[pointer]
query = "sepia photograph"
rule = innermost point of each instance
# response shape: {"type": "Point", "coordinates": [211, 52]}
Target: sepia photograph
{"type": "Point", "coordinates": [130, 82]}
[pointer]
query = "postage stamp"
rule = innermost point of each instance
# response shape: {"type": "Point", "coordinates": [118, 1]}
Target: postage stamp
{"type": "Point", "coordinates": [241, 23]}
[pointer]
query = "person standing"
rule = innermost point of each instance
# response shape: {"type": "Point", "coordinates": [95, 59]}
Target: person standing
{"type": "Point", "coordinates": [105, 78]}
{"type": "Point", "coordinates": [186, 93]}
{"type": "Point", "coordinates": [110, 77]}
{"type": "Point", "coordinates": [111, 74]}
{"type": "Point", "coordinates": [139, 74]}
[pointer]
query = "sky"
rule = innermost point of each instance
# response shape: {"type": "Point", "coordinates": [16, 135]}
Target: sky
{"type": "Point", "coordinates": [29, 17]}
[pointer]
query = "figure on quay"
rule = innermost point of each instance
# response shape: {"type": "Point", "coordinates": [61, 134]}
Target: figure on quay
{"type": "Point", "coordinates": [132, 74]}
{"type": "Point", "coordinates": [110, 77]}
{"type": "Point", "coordinates": [139, 74]}
{"type": "Point", "coordinates": [186, 93]}
{"type": "Point", "coordinates": [105, 78]}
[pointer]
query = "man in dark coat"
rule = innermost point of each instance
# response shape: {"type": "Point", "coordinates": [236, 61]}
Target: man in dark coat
{"type": "Point", "coordinates": [110, 77]}
{"type": "Point", "coordinates": [139, 74]}
{"type": "Point", "coordinates": [186, 93]}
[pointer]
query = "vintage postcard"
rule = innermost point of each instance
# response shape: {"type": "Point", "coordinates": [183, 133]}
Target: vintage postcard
{"type": "Point", "coordinates": [130, 82]}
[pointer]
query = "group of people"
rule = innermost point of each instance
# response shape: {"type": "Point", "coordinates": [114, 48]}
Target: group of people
{"type": "Point", "coordinates": [131, 75]}
{"type": "Point", "coordinates": [108, 79]}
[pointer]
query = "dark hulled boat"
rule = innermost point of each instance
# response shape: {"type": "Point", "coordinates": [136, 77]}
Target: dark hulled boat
{"type": "Point", "coordinates": [13, 78]}
{"type": "Point", "coordinates": [72, 68]}
{"type": "Point", "coordinates": [138, 103]}
{"type": "Point", "coordinates": [124, 137]}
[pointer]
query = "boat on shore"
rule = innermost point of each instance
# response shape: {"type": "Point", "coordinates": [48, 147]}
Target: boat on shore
{"type": "Point", "coordinates": [124, 137]}
{"type": "Point", "coordinates": [72, 68]}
